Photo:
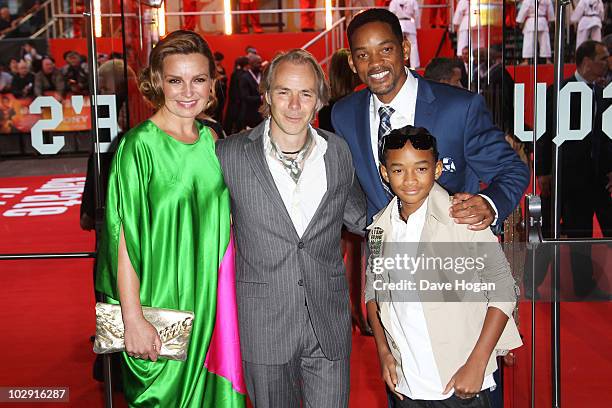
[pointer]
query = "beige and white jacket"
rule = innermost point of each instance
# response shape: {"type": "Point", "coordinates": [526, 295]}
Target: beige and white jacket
{"type": "Point", "coordinates": [454, 326]}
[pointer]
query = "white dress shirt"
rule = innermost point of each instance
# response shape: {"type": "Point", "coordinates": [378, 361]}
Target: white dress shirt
{"type": "Point", "coordinates": [409, 328]}
{"type": "Point", "coordinates": [404, 105]}
{"type": "Point", "coordinates": [301, 199]}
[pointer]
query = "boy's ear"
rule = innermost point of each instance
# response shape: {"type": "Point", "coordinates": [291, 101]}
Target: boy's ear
{"type": "Point", "coordinates": [267, 96]}
{"type": "Point", "coordinates": [383, 173]}
{"type": "Point", "coordinates": [438, 171]}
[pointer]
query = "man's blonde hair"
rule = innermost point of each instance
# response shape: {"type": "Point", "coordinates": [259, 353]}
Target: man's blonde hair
{"type": "Point", "coordinates": [294, 56]}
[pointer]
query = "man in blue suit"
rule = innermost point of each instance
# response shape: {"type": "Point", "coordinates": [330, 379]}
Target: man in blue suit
{"type": "Point", "coordinates": [472, 149]}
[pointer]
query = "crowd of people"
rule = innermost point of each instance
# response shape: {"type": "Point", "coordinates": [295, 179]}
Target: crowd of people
{"type": "Point", "coordinates": [31, 74]}
{"type": "Point", "coordinates": [28, 19]}
{"type": "Point", "coordinates": [588, 18]}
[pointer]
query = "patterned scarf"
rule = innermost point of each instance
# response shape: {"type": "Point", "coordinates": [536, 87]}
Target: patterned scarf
{"type": "Point", "coordinates": [294, 166]}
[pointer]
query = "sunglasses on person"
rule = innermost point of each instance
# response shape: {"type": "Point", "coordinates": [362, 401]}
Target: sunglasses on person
{"type": "Point", "coordinates": [420, 141]}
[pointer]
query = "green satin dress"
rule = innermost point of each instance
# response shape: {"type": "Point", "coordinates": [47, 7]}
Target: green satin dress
{"type": "Point", "coordinates": [174, 207]}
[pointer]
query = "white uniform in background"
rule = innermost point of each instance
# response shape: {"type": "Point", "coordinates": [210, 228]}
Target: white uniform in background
{"type": "Point", "coordinates": [461, 18]}
{"type": "Point", "coordinates": [588, 14]}
{"type": "Point", "coordinates": [526, 15]}
{"type": "Point", "coordinates": [410, 19]}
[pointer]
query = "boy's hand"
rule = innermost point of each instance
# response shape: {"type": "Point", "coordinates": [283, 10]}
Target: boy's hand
{"type": "Point", "coordinates": [472, 209]}
{"type": "Point", "coordinates": [467, 381]}
{"type": "Point", "coordinates": [389, 373]}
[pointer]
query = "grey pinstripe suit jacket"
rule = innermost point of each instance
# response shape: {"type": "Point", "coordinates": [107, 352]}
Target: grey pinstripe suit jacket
{"type": "Point", "coordinates": [276, 270]}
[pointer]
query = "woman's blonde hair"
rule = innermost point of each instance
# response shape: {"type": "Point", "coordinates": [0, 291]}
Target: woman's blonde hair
{"type": "Point", "coordinates": [177, 42]}
{"type": "Point", "coordinates": [295, 56]}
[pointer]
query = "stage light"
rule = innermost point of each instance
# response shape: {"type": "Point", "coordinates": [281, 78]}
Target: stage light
{"type": "Point", "coordinates": [328, 14]}
{"type": "Point", "coordinates": [227, 16]}
{"type": "Point", "coordinates": [161, 19]}
{"type": "Point", "coordinates": [97, 18]}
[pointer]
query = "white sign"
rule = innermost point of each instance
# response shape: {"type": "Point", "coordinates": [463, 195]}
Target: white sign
{"type": "Point", "coordinates": [57, 116]}
{"type": "Point", "coordinates": [564, 131]}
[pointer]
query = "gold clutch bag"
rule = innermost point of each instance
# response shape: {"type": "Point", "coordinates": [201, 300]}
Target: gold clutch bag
{"type": "Point", "coordinates": [173, 326]}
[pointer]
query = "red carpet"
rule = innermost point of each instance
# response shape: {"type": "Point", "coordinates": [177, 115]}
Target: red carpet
{"type": "Point", "coordinates": [46, 316]}
{"type": "Point", "coordinates": [41, 214]}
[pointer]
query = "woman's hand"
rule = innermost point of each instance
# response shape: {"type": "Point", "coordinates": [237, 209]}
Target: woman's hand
{"type": "Point", "coordinates": [141, 339]}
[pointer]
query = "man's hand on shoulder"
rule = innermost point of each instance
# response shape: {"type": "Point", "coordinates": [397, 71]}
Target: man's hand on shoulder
{"type": "Point", "coordinates": [472, 209]}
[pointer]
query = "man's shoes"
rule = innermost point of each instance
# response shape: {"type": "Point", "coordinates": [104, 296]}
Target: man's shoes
{"type": "Point", "coordinates": [308, 30]}
{"type": "Point", "coordinates": [258, 30]}
{"type": "Point", "coordinates": [244, 30]}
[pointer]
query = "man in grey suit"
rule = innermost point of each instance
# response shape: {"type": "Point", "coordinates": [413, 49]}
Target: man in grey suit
{"type": "Point", "coordinates": [292, 189]}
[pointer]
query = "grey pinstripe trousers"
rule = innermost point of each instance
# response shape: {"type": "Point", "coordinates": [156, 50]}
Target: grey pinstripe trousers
{"type": "Point", "coordinates": [309, 377]}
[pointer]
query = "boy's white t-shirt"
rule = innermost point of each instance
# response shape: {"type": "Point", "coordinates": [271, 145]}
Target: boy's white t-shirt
{"type": "Point", "coordinates": [409, 328]}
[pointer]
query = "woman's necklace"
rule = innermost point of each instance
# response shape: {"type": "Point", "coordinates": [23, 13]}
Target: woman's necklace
{"type": "Point", "coordinates": [293, 165]}
{"type": "Point", "coordinates": [399, 210]}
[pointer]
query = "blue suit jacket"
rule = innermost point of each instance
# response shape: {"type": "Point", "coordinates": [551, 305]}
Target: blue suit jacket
{"type": "Point", "coordinates": [471, 147]}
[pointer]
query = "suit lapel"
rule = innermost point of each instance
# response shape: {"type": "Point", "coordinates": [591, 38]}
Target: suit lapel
{"type": "Point", "coordinates": [426, 109]}
{"type": "Point", "coordinates": [257, 159]}
{"type": "Point", "coordinates": [364, 140]}
{"type": "Point", "coordinates": [332, 173]}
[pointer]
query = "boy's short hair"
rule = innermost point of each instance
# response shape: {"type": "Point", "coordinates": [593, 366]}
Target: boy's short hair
{"type": "Point", "coordinates": [419, 138]}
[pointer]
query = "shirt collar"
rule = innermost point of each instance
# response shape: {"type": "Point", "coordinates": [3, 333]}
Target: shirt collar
{"type": "Point", "coordinates": [438, 203]}
{"type": "Point", "coordinates": [406, 94]}
{"type": "Point", "coordinates": [417, 217]}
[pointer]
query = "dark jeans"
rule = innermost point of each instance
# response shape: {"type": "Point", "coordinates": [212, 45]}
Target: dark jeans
{"type": "Point", "coordinates": [481, 400]}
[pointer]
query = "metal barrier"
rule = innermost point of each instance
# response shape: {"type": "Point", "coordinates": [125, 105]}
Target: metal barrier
{"type": "Point", "coordinates": [334, 40]}
{"type": "Point", "coordinates": [50, 20]}
{"type": "Point", "coordinates": [55, 19]}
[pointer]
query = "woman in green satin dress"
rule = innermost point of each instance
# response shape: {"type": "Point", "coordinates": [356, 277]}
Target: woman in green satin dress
{"type": "Point", "coordinates": [167, 229]}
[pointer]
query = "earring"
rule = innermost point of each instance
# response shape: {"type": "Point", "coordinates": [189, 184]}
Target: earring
{"type": "Point", "coordinates": [209, 104]}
